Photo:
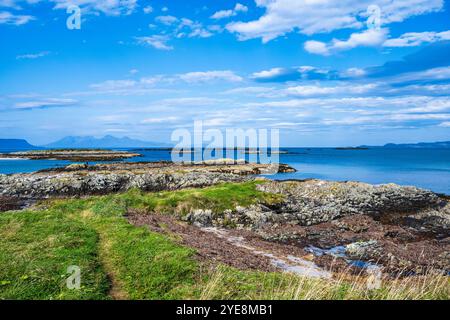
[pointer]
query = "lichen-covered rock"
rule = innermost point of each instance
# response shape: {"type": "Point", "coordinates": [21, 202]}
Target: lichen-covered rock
{"type": "Point", "coordinates": [362, 250]}
{"type": "Point", "coordinates": [200, 217]}
{"type": "Point", "coordinates": [73, 184]}
{"type": "Point", "coordinates": [315, 201]}
{"type": "Point", "coordinates": [80, 180]}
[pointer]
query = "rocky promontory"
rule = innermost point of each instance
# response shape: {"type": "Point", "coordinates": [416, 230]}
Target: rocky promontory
{"type": "Point", "coordinates": [397, 229]}
{"type": "Point", "coordinates": [83, 180]}
{"type": "Point", "coordinates": [337, 225]}
{"type": "Point", "coordinates": [76, 155]}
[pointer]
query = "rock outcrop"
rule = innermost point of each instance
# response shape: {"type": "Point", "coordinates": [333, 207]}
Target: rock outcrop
{"type": "Point", "coordinates": [72, 155]}
{"type": "Point", "coordinates": [81, 180]}
{"type": "Point", "coordinates": [402, 230]}
{"type": "Point", "coordinates": [312, 202]}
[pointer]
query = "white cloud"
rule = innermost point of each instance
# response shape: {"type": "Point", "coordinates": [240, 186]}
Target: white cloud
{"type": "Point", "coordinates": [249, 90]}
{"type": "Point", "coordinates": [10, 4]}
{"type": "Point", "coordinates": [156, 41]}
{"type": "Point", "coordinates": [313, 90]}
{"type": "Point", "coordinates": [33, 55]}
{"type": "Point", "coordinates": [266, 74]}
{"type": "Point", "coordinates": [177, 28]}
{"type": "Point", "coordinates": [317, 47]}
{"type": "Point", "coordinates": [412, 39]}
{"type": "Point", "coordinates": [110, 7]}
{"type": "Point", "coordinates": [367, 38]}
{"type": "Point", "coordinates": [51, 102]}
{"type": "Point", "coordinates": [353, 73]}
{"type": "Point", "coordinates": [167, 20]}
{"type": "Point", "coordinates": [441, 73]}
{"type": "Point", "coordinates": [17, 20]}
{"type": "Point", "coordinates": [148, 9]}
{"type": "Point", "coordinates": [222, 14]}
{"type": "Point", "coordinates": [294, 74]}
{"type": "Point", "coordinates": [159, 120]}
{"type": "Point", "coordinates": [150, 82]}
{"type": "Point", "coordinates": [230, 13]}
{"type": "Point", "coordinates": [114, 84]}
{"type": "Point", "coordinates": [225, 75]}
{"type": "Point", "coordinates": [112, 117]}
{"type": "Point", "coordinates": [311, 17]}
{"type": "Point", "coordinates": [200, 33]}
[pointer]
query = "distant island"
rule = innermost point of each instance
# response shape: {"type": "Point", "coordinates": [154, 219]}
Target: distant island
{"type": "Point", "coordinates": [16, 144]}
{"type": "Point", "coordinates": [90, 142]}
{"type": "Point", "coordinates": [419, 145]}
{"type": "Point", "coordinates": [78, 155]}
{"type": "Point", "coordinates": [75, 142]}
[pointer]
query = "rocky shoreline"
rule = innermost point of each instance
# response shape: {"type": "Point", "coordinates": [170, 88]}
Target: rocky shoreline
{"type": "Point", "coordinates": [335, 225]}
{"type": "Point", "coordinates": [349, 225]}
{"type": "Point", "coordinates": [83, 180]}
{"type": "Point", "coordinates": [77, 155]}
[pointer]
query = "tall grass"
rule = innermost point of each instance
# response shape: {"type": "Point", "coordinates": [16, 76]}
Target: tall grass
{"type": "Point", "coordinates": [229, 283]}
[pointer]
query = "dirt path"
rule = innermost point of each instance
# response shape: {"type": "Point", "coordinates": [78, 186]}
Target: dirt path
{"type": "Point", "coordinates": [115, 291]}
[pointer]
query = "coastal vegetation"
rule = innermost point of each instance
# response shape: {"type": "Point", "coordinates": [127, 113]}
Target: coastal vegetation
{"type": "Point", "coordinates": [119, 260]}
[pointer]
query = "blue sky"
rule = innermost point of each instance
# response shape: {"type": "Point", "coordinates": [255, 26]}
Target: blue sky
{"type": "Point", "coordinates": [316, 70]}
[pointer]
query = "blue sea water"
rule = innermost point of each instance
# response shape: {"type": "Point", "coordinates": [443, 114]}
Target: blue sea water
{"type": "Point", "coordinates": [425, 168]}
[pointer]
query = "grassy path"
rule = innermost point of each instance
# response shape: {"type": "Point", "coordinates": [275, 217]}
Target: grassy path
{"type": "Point", "coordinates": [121, 261]}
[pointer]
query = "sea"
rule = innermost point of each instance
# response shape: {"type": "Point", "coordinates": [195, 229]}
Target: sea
{"type": "Point", "coordinates": [424, 168]}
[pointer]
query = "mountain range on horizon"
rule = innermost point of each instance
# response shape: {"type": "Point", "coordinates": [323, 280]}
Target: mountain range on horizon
{"type": "Point", "coordinates": [16, 144]}
{"type": "Point", "coordinates": [78, 142]}
{"type": "Point", "coordinates": [419, 145]}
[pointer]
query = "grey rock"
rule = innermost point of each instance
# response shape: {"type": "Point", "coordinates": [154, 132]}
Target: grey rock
{"type": "Point", "coordinates": [362, 250]}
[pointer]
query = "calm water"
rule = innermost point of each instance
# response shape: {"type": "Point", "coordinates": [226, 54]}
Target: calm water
{"type": "Point", "coordinates": [428, 169]}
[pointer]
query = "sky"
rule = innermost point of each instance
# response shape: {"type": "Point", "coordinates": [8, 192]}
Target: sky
{"type": "Point", "coordinates": [323, 72]}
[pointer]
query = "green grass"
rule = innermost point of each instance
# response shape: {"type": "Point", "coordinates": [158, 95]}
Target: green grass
{"type": "Point", "coordinates": [217, 198]}
{"type": "Point", "coordinates": [121, 261]}
{"type": "Point", "coordinates": [36, 248]}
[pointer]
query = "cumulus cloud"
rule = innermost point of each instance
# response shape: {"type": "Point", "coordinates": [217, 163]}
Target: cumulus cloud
{"type": "Point", "coordinates": [166, 20]}
{"type": "Point", "coordinates": [148, 9]}
{"type": "Point", "coordinates": [317, 47]}
{"type": "Point", "coordinates": [367, 38]}
{"type": "Point", "coordinates": [294, 74]}
{"type": "Point", "coordinates": [311, 17]}
{"type": "Point", "coordinates": [413, 39]}
{"type": "Point", "coordinates": [229, 13]}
